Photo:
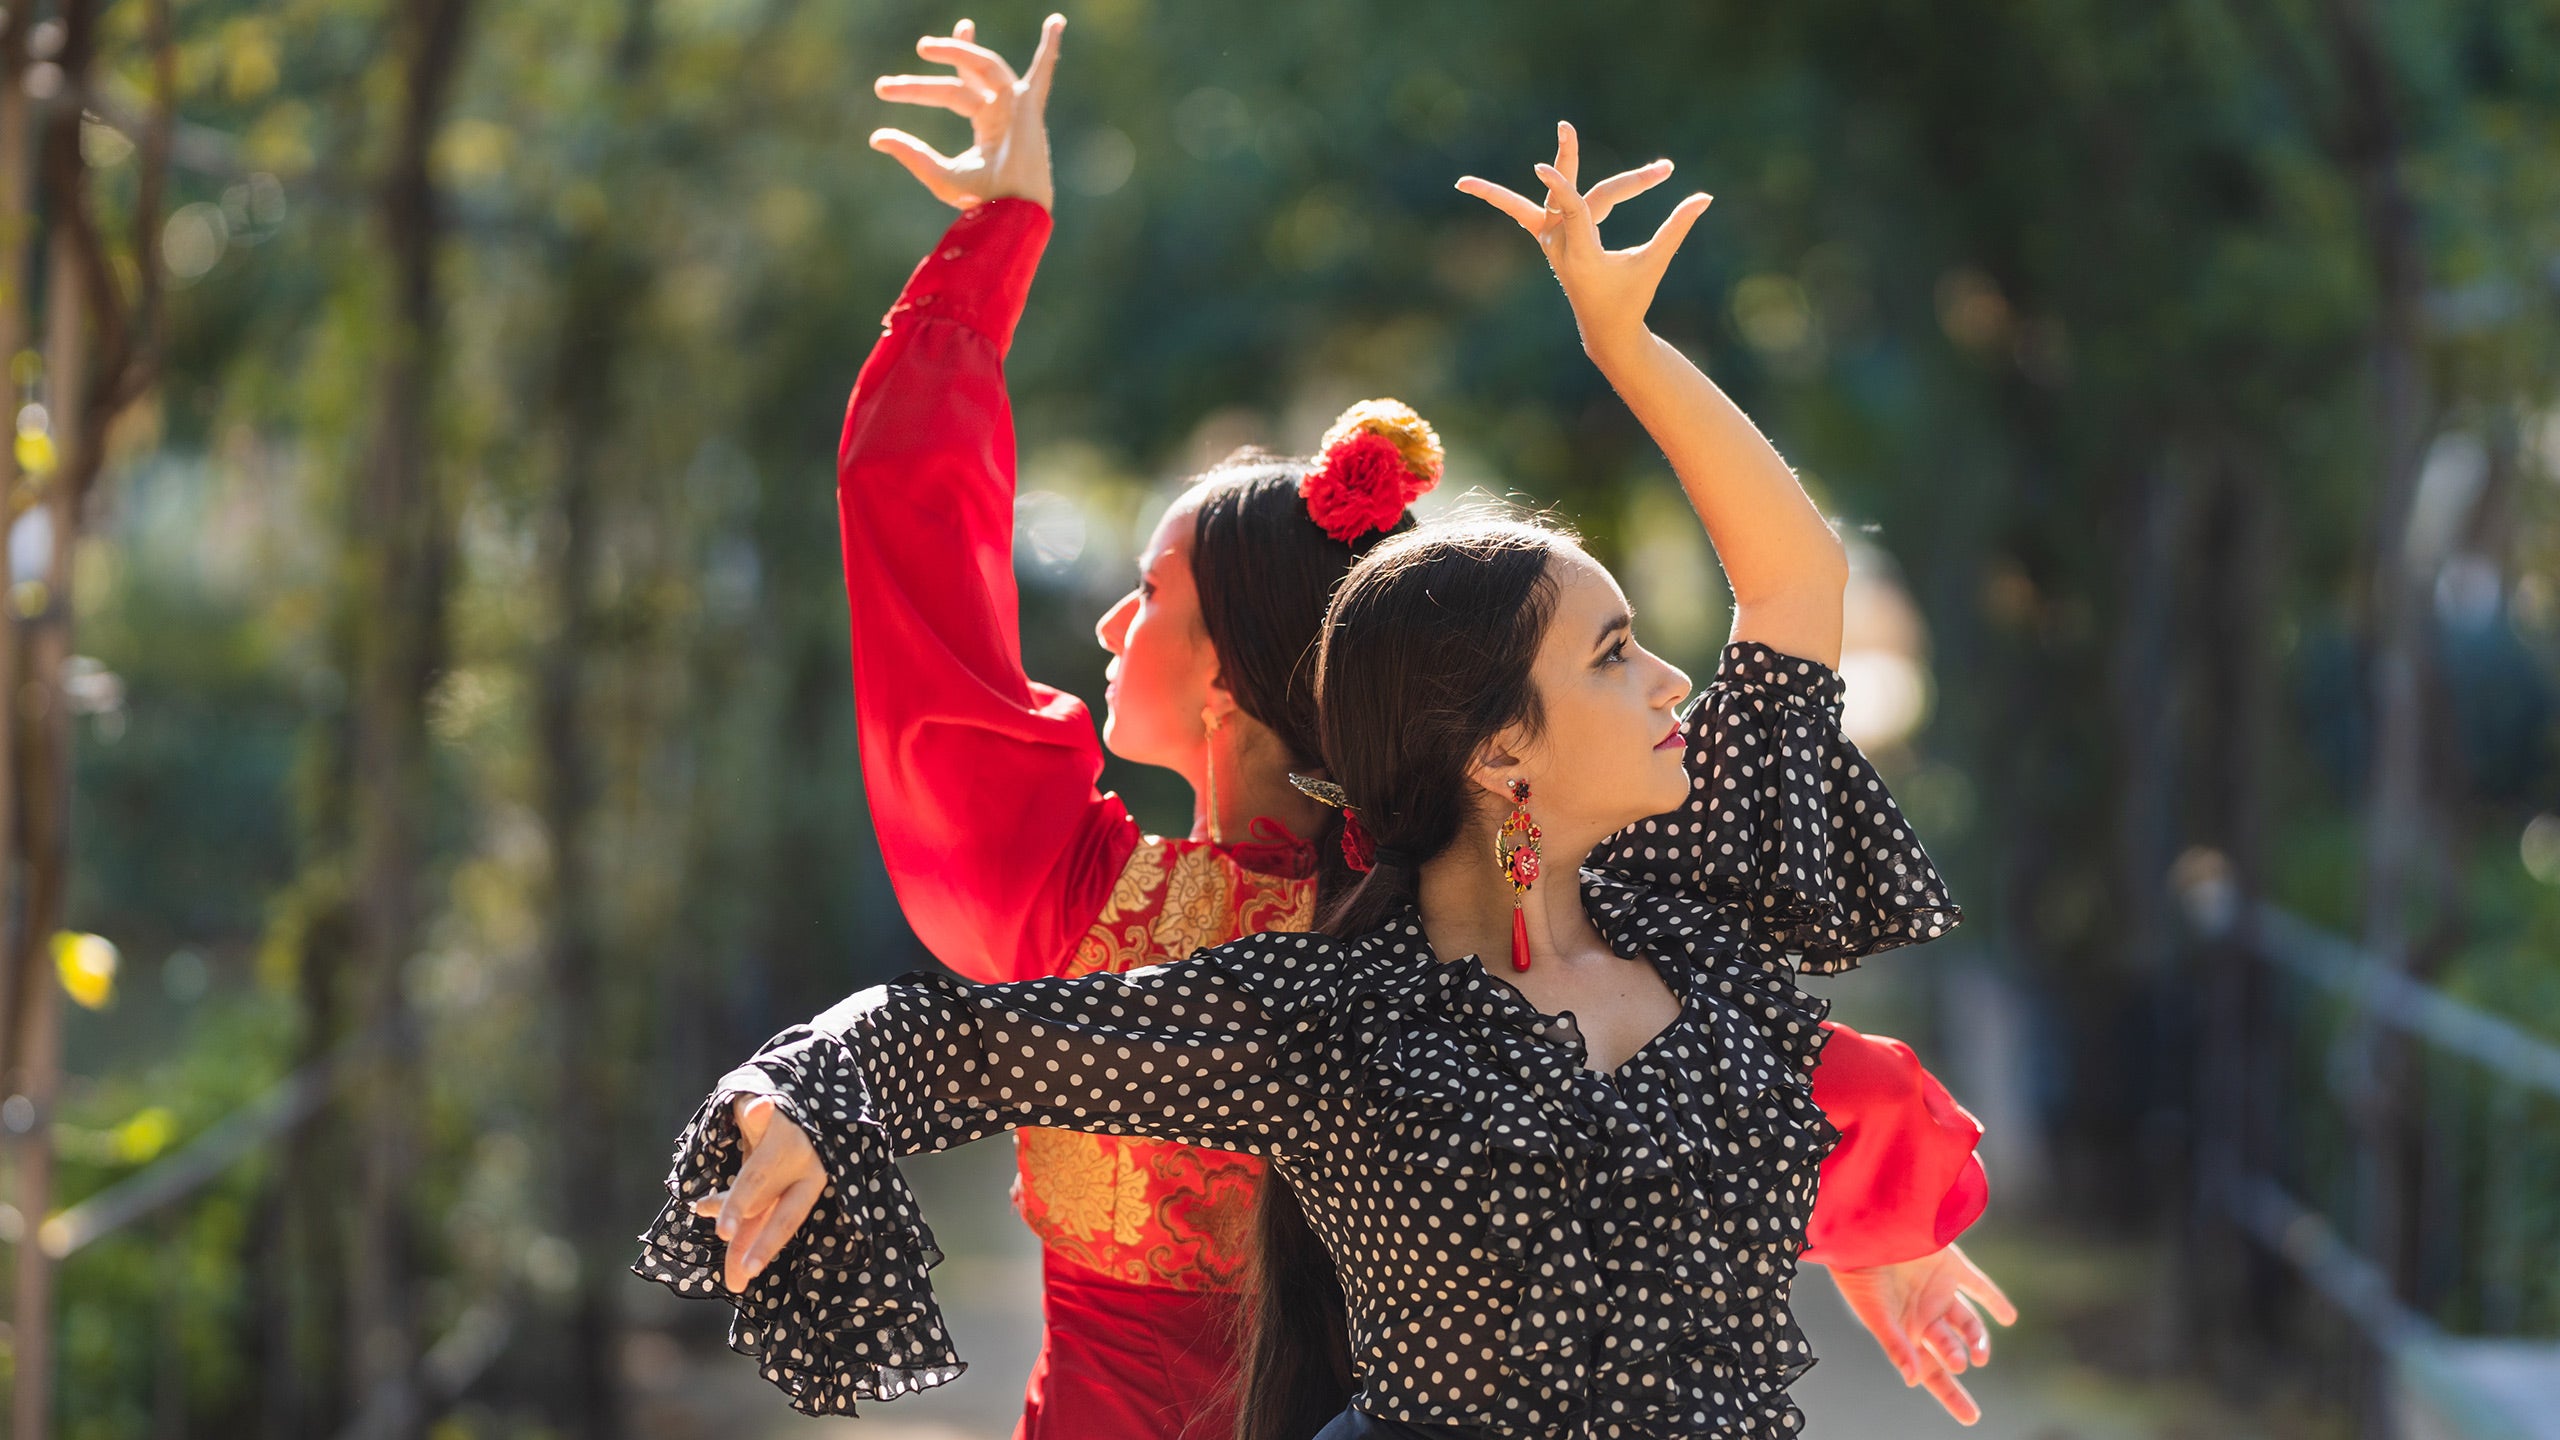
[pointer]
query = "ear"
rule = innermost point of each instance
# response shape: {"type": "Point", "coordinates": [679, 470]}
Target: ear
{"type": "Point", "coordinates": [1221, 700]}
{"type": "Point", "coordinates": [1498, 762]}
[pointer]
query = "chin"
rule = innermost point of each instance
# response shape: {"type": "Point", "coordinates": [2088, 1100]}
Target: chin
{"type": "Point", "coordinates": [1675, 791]}
{"type": "Point", "coordinates": [1126, 742]}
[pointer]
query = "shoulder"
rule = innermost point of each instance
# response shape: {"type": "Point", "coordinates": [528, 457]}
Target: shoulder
{"type": "Point", "coordinates": [1300, 970]}
{"type": "Point", "coordinates": [1173, 895]}
{"type": "Point", "coordinates": [1277, 972]}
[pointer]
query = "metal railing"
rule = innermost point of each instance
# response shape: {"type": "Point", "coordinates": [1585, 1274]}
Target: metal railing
{"type": "Point", "coordinates": [2465, 1241]}
{"type": "Point", "coordinates": [446, 1370]}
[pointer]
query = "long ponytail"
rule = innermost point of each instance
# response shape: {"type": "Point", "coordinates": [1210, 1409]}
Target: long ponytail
{"type": "Point", "coordinates": [1428, 645]}
{"type": "Point", "coordinates": [1265, 573]}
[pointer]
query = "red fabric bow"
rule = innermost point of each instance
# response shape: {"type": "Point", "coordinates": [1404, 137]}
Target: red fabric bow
{"type": "Point", "coordinates": [1358, 850]}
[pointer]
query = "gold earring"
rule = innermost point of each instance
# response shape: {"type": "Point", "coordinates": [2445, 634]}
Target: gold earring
{"type": "Point", "coordinates": [1210, 722]}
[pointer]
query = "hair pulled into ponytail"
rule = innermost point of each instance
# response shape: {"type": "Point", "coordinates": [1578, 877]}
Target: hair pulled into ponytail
{"type": "Point", "coordinates": [1425, 655]}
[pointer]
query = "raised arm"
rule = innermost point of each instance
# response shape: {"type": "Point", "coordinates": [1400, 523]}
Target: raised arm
{"type": "Point", "coordinates": [981, 782]}
{"type": "Point", "coordinates": [1786, 823]}
{"type": "Point", "coordinates": [1787, 569]}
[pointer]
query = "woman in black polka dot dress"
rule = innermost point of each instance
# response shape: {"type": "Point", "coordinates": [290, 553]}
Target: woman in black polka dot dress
{"type": "Point", "coordinates": [1555, 1131]}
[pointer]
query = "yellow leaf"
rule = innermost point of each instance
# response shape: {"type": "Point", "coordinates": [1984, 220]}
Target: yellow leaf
{"type": "Point", "coordinates": [87, 964]}
{"type": "Point", "coordinates": [35, 452]}
{"type": "Point", "coordinates": [146, 1134]}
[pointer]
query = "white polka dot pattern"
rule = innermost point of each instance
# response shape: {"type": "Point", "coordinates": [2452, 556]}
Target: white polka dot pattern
{"type": "Point", "coordinates": [1788, 821]}
{"type": "Point", "coordinates": [1527, 1247]}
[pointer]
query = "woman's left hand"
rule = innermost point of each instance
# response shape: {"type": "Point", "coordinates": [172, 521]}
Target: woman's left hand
{"type": "Point", "coordinates": [1922, 1313]}
{"type": "Point", "coordinates": [1610, 290]}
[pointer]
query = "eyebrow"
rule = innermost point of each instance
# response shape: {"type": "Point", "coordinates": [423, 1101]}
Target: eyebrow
{"type": "Point", "coordinates": [1623, 620]}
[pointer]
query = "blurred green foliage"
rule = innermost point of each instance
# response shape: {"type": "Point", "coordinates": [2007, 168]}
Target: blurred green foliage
{"type": "Point", "coordinates": [2011, 284]}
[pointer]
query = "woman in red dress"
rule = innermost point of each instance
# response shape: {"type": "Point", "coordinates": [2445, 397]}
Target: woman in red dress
{"type": "Point", "coordinates": [1011, 865]}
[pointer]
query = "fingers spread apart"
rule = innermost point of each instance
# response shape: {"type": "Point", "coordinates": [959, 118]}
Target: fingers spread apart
{"type": "Point", "coordinates": [972, 60]}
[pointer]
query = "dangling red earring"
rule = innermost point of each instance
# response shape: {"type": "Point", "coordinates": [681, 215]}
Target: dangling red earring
{"type": "Point", "coordinates": [1515, 849]}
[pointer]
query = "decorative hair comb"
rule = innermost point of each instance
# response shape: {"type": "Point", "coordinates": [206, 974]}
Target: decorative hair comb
{"type": "Point", "coordinates": [1378, 458]}
{"type": "Point", "coordinates": [1358, 851]}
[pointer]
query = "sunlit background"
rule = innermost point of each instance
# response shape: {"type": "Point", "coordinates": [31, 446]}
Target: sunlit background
{"type": "Point", "coordinates": [432, 761]}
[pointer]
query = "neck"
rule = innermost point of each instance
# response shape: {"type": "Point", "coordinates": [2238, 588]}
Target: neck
{"type": "Point", "coordinates": [1253, 784]}
{"type": "Point", "coordinates": [1466, 903]}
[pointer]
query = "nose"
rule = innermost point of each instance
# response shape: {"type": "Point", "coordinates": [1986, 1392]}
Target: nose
{"type": "Point", "coordinates": [1111, 632]}
{"type": "Point", "coordinates": [1675, 685]}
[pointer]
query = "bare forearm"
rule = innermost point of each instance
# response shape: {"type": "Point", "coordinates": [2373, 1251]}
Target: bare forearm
{"type": "Point", "coordinates": [1787, 568]}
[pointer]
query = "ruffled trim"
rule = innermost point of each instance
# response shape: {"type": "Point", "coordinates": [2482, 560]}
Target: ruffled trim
{"type": "Point", "coordinates": [1751, 1182]}
{"type": "Point", "coordinates": [1787, 821]}
{"type": "Point", "coordinates": [844, 1312]}
{"type": "Point", "coordinates": [1432, 1067]}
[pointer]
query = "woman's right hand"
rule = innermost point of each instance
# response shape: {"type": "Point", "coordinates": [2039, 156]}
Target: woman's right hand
{"type": "Point", "coordinates": [773, 1192]}
{"type": "Point", "coordinates": [1008, 154]}
{"type": "Point", "coordinates": [1922, 1312]}
{"type": "Point", "coordinates": [1610, 290]}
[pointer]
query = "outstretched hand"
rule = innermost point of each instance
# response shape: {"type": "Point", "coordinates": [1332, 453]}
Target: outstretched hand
{"type": "Point", "coordinates": [1922, 1314]}
{"type": "Point", "coordinates": [1008, 154]}
{"type": "Point", "coordinates": [1610, 290]}
{"type": "Point", "coordinates": [772, 1193]}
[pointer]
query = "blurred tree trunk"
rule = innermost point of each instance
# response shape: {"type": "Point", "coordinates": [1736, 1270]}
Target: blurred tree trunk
{"type": "Point", "coordinates": [584, 1111]}
{"type": "Point", "coordinates": [2403, 811]}
{"type": "Point", "coordinates": [402, 546]}
{"type": "Point", "coordinates": [101, 345]}
{"type": "Point", "coordinates": [602, 282]}
{"type": "Point", "coordinates": [2239, 565]}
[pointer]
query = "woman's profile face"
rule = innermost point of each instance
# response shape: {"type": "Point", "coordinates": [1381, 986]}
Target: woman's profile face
{"type": "Point", "coordinates": [1609, 752]}
{"type": "Point", "coordinates": [1162, 663]}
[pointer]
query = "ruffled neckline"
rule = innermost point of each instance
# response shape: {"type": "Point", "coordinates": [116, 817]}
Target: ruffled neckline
{"type": "Point", "coordinates": [1469, 989]}
{"type": "Point", "coordinates": [1742, 1125]}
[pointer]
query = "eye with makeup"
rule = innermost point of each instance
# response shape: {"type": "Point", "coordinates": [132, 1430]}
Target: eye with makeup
{"type": "Point", "coordinates": [1619, 633]}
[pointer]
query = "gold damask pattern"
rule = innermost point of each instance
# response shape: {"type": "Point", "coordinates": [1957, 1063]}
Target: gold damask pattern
{"type": "Point", "coordinates": [1146, 1211]}
{"type": "Point", "coordinates": [1088, 1190]}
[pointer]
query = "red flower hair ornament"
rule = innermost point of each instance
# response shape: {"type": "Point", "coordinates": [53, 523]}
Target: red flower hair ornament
{"type": "Point", "coordinates": [1377, 459]}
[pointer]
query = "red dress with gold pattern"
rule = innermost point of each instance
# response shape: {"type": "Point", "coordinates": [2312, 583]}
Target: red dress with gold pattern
{"type": "Point", "coordinates": [1011, 864]}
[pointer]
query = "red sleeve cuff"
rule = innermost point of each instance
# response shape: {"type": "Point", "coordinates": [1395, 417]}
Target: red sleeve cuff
{"type": "Point", "coordinates": [979, 273]}
{"type": "Point", "coordinates": [1904, 1180]}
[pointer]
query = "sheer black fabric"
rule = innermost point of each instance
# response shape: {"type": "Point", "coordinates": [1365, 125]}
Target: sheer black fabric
{"type": "Point", "coordinates": [1528, 1247]}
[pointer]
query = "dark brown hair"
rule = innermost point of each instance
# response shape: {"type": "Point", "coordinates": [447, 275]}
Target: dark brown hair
{"type": "Point", "coordinates": [1265, 573]}
{"type": "Point", "coordinates": [1425, 655]}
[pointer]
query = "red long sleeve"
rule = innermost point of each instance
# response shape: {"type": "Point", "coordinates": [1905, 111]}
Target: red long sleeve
{"type": "Point", "coordinates": [981, 781]}
{"type": "Point", "coordinates": [1903, 1181]}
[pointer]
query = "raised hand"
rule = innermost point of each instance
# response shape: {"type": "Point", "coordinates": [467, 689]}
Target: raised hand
{"type": "Point", "coordinates": [1008, 154]}
{"type": "Point", "coordinates": [1922, 1314]}
{"type": "Point", "coordinates": [771, 1194]}
{"type": "Point", "coordinates": [1610, 290]}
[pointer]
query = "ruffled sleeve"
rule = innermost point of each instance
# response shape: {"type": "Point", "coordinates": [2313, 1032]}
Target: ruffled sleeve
{"type": "Point", "coordinates": [1904, 1180]}
{"type": "Point", "coordinates": [1787, 820]}
{"type": "Point", "coordinates": [1234, 1048]}
{"type": "Point", "coordinates": [844, 1312]}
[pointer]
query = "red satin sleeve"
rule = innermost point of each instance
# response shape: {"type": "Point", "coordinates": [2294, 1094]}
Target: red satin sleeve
{"type": "Point", "coordinates": [981, 781]}
{"type": "Point", "coordinates": [1904, 1180]}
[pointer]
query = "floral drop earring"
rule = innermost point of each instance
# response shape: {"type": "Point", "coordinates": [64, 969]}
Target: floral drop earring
{"type": "Point", "coordinates": [1515, 849]}
{"type": "Point", "coordinates": [1210, 722]}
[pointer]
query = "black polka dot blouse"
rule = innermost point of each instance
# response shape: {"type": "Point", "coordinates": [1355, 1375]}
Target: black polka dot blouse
{"type": "Point", "coordinates": [1528, 1247]}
